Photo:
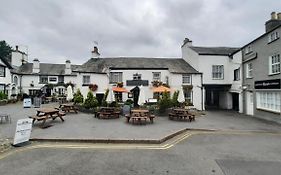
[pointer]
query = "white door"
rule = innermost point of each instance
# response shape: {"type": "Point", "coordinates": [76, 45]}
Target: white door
{"type": "Point", "coordinates": [250, 103]}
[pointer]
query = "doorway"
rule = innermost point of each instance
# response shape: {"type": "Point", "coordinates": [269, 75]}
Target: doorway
{"type": "Point", "coordinates": [235, 101]}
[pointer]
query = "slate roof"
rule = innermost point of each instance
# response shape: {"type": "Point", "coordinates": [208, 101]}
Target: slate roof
{"type": "Point", "coordinates": [45, 69]}
{"type": "Point", "coordinates": [174, 65]}
{"type": "Point", "coordinates": [224, 51]}
{"type": "Point", "coordinates": [6, 63]}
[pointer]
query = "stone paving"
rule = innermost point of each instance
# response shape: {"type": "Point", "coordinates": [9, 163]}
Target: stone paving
{"type": "Point", "coordinates": [85, 126]}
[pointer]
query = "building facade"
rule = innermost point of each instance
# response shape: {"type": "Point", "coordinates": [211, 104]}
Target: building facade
{"type": "Point", "coordinates": [222, 82]}
{"type": "Point", "coordinates": [261, 73]}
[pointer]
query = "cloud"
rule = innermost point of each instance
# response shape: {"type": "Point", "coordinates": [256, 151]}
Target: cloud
{"type": "Point", "coordinates": [55, 30]}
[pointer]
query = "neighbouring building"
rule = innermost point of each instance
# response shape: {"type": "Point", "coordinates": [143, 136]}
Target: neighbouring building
{"type": "Point", "coordinates": [5, 75]}
{"type": "Point", "coordinates": [261, 77]}
{"type": "Point", "coordinates": [221, 74]}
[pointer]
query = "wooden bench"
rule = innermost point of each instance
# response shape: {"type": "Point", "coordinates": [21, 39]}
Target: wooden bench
{"type": "Point", "coordinates": [138, 120]}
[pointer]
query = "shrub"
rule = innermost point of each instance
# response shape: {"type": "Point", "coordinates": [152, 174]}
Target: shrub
{"type": "Point", "coordinates": [104, 103]}
{"type": "Point", "coordinates": [165, 102]}
{"type": "Point", "coordinates": [90, 101]}
{"type": "Point", "coordinates": [175, 98]}
{"type": "Point", "coordinates": [78, 97]}
{"type": "Point", "coordinates": [3, 96]}
{"type": "Point", "coordinates": [129, 102]}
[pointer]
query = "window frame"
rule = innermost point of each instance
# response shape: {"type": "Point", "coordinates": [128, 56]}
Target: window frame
{"type": "Point", "coordinates": [4, 71]}
{"type": "Point", "coordinates": [156, 78]}
{"type": "Point", "coordinates": [84, 83]}
{"type": "Point", "coordinates": [249, 70]}
{"type": "Point", "coordinates": [52, 77]}
{"type": "Point", "coordinates": [236, 77]}
{"type": "Point", "coordinates": [43, 76]}
{"type": "Point", "coordinates": [184, 77]}
{"type": "Point", "coordinates": [273, 36]}
{"type": "Point", "coordinates": [268, 101]}
{"type": "Point", "coordinates": [218, 72]}
{"type": "Point", "coordinates": [271, 64]}
{"type": "Point", "coordinates": [115, 77]}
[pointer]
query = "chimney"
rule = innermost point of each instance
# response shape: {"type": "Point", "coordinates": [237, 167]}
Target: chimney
{"type": "Point", "coordinates": [187, 41]}
{"type": "Point", "coordinates": [67, 69]}
{"type": "Point", "coordinates": [36, 66]}
{"type": "Point", "coordinates": [17, 48]}
{"type": "Point", "coordinates": [273, 22]}
{"type": "Point", "coordinates": [95, 52]}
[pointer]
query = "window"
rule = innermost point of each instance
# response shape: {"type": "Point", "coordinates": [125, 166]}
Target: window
{"type": "Point", "coordinates": [273, 36]}
{"type": "Point", "coordinates": [217, 71]}
{"type": "Point", "coordinates": [156, 76]}
{"type": "Point", "coordinates": [115, 77]}
{"type": "Point", "coordinates": [43, 80]}
{"type": "Point", "coordinates": [86, 79]}
{"type": "Point", "coordinates": [249, 68]}
{"type": "Point", "coordinates": [186, 79]}
{"type": "Point", "coordinates": [269, 101]}
{"type": "Point", "coordinates": [274, 64]}
{"type": "Point", "coordinates": [248, 49]}
{"type": "Point", "coordinates": [2, 71]}
{"type": "Point", "coordinates": [53, 79]}
{"type": "Point", "coordinates": [15, 80]}
{"type": "Point", "coordinates": [237, 74]}
{"type": "Point", "coordinates": [61, 79]}
{"type": "Point", "coordinates": [188, 95]}
{"type": "Point", "coordinates": [2, 87]}
{"type": "Point", "coordinates": [136, 76]}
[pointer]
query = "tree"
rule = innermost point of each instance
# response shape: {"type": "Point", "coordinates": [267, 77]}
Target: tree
{"type": "Point", "coordinates": [5, 50]}
{"type": "Point", "coordinates": [78, 97]}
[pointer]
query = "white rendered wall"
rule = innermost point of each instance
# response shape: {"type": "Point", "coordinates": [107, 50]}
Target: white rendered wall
{"type": "Point", "coordinates": [190, 56]}
{"type": "Point", "coordinates": [100, 79]}
{"type": "Point", "coordinates": [18, 58]}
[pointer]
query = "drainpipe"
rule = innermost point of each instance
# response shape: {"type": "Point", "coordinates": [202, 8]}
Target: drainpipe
{"type": "Point", "coordinates": [202, 96]}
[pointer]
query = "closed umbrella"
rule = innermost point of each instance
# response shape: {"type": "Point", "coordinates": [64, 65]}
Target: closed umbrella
{"type": "Point", "coordinates": [181, 97]}
{"type": "Point", "coordinates": [142, 97]}
{"type": "Point", "coordinates": [69, 95]}
{"type": "Point", "coordinates": [110, 96]}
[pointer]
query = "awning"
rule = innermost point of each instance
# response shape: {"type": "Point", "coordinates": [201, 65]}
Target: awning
{"type": "Point", "coordinates": [161, 89]}
{"type": "Point", "coordinates": [119, 89]}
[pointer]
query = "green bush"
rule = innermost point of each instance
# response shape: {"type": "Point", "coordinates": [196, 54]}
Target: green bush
{"type": "Point", "coordinates": [165, 102]}
{"type": "Point", "coordinates": [90, 101]}
{"type": "Point", "coordinates": [78, 97]}
{"type": "Point", "coordinates": [104, 103]}
{"type": "Point", "coordinates": [175, 98]}
{"type": "Point", "coordinates": [3, 96]}
{"type": "Point", "coordinates": [129, 102]}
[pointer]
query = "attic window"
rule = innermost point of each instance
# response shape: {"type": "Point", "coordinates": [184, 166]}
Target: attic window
{"type": "Point", "coordinates": [136, 76]}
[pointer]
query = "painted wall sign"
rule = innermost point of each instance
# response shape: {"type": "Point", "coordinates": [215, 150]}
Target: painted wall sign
{"type": "Point", "coordinates": [23, 131]}
{"type": "Point", "coordinates": [268, 84]}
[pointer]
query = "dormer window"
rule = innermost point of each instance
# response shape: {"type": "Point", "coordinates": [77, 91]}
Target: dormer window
{"type": "Point", "coordinates": [136, 76]}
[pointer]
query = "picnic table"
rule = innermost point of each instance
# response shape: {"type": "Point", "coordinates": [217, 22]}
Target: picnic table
{"type": "Point", "coordinates": [5, 117]}
{"type": "Point", "coordinates": [68, 107]}
{"type": "Point", "coordinates": [108, 113]}
{"type": "Point", "coordinates": [43, 114]}
{"type": "Point", "coordinates": [181, 114]}
{"type": "Point", "coordinates": [139, 115]}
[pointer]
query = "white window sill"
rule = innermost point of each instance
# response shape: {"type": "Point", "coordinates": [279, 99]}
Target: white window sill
{"type": "Point", "coordinates": [274, 73]}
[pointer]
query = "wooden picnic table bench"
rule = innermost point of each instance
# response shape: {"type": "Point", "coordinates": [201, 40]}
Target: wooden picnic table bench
{"type": "Point", "coordinates": [43, 114]}
{"type": "Point", "coordinates": [139, 115]}
{"type": "Point", "coordinates": [68, 107]}
{"type": "Point", "coordinates": [181, 114]}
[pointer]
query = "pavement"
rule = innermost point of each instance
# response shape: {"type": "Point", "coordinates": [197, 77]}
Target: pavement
{"type": "Point", "coordinates": [83, 126]}
{"type": "Point", "coordinates": [219, 153]}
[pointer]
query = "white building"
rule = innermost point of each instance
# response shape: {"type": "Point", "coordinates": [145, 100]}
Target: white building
{"type": "Point", "coordinates": [221, 74]}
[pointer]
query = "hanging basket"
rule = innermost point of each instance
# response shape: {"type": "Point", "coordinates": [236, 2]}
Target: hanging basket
{"type": "Point", "coordinates": [93, 87]}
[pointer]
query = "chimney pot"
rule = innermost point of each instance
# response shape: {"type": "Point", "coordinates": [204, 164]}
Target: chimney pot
{"type": "Point", "coordinates": [187, 41]}
{"type": "Point", "coordinates": [273, 15]}
{"type": "Point", "coordinates": [95, 52]}
{"type": "Point", "coordinates": [279, 16]}
{"type": "Point", "coordinates": [17, 47]}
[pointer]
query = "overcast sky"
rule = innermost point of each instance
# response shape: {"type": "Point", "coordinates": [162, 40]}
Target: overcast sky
{"type": "Point", "coordinates": [56, 30]}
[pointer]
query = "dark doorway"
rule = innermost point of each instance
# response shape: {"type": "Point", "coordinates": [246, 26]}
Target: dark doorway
{"type": "Point", "coordinates": [212, 99]}
{"type": "Point", "coordinates": [135, 92]}
{"type": "Point", "coordinates": [235, 101]}
{"type": "Point", "coordinates": [99, 97]}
